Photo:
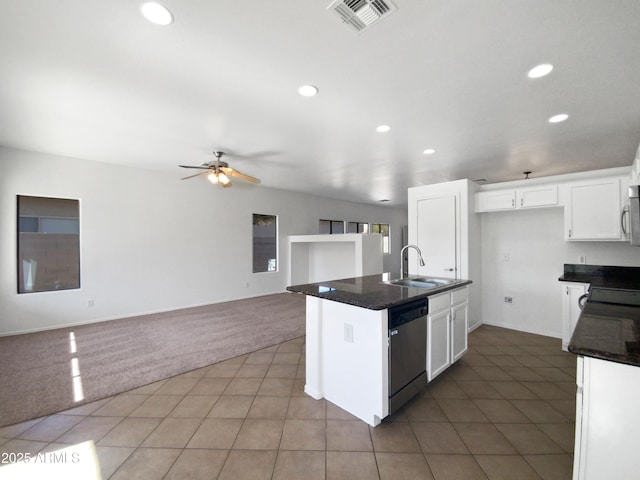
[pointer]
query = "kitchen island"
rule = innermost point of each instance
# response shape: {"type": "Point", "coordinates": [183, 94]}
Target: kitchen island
{"type": "Point", "coordinates": [347, 337]}
{"type": "Point", "coordinates": [607, 342]}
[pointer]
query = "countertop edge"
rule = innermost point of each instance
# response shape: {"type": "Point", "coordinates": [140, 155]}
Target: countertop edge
{"type": "Point", "coordinates": [356, 299]}
{"type": "Point", "coordinates": [603, 355]}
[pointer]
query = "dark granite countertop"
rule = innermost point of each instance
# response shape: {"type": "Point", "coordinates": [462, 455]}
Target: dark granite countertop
{"type": "Point", "coordinates": [369, 291]}
{"type": "Point", "coordinates": [608, 332]}
{"type": "Point", "coordinates": [609, 326]}
{"type": "Point", "coordinates": [602, 276]}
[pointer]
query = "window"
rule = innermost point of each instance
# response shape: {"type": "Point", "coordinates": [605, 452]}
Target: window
{"type": "Point", "coordinates": [331, 226]}
{"type": "Point", "coordinates": [357, 227]}
{"type": "Point", "coordinates": [48, 244]}
{"type": "Point", "coordinates": [265, 243]}
{"type": "Point", "coordinates": [382, 228]}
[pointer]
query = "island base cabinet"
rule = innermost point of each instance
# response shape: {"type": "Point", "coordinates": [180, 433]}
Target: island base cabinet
{"type": "Point", "coordinates": [438, 346]}
{"type": "Point", "coordinates": [347, 358]}
{"type": "Point", "coordinates": [607, 420]}
{"type": "Point", "coordinates": [459, 330]}
{"type": "Point", "coordinates": [447, 330]}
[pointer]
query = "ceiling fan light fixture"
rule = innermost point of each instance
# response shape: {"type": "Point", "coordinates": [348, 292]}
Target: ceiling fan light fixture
{"type": "Point", "coordinates": [218, 172]}
{"type": "Point", "coordinates": [213, 177]}
{"type": "Point", "coordinates": [156, 13]}
{"type": "Point", "coordinates": [223, 179]}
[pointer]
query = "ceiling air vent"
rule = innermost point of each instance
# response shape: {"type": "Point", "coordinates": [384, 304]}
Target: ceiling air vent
{"type": "Point", "coordinates": [360, 14]}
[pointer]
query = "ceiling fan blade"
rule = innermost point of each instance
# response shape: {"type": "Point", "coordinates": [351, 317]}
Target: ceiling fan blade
{"type": "Point", "coordinates": [196, 175]}
{"type": "Point", "coordinates": [235, 173]}
{"type": "Point", "coordinates": [192, 166]}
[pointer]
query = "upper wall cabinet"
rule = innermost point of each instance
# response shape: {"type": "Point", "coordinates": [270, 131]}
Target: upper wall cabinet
{"type": "Point", "coordinates": [512, 199]}
{"type": "Point", "coordinates": [593, 209]}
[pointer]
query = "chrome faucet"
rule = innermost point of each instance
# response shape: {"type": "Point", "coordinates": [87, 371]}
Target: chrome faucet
{"type": "Point", "coordinates": [402, 258]}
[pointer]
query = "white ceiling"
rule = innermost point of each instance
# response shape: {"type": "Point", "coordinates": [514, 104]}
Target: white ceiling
{"type": "Point", "coordinates": [94, 80]}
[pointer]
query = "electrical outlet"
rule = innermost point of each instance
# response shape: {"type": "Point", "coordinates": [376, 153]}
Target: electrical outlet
{"type": "Point", "coordinates": [348, 333]}
{"type": "Point", "coordinates": [508, 299]}
{"type": "Point", "coordinates": [583, 259]}
{"type": "Point", "coordinates": [90, 303]}
{"type": "Point", "coordinates": [505, 257]}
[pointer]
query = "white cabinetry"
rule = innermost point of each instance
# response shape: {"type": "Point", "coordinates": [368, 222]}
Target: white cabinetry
{"type": "Point", "coordinates": [538, 196]}
{"type": "Point", "coordinates": [512, 199]}
{"type": "Point", "coordinates": [495, 200]}
{"type": "Point", "coordinates": [437, 235]}
{"type": "Point", "coordinates": [459, 323]}
{"type": "Point", "coordinates": [447, 230]}
{"type": "Point", "coordinates": [593, 209]}
{"type": "Point", "coordinates": [447, 326]}
{"type": "Point", "coordinates": [607, 420]}
{"type": "Point", "coordinates": [571, 293]}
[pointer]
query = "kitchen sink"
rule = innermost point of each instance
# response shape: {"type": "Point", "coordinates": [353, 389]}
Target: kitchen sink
{"type": "Point", "coordinates": [420, 282]}
{"type": "Point", "coordinates": [437, 281]}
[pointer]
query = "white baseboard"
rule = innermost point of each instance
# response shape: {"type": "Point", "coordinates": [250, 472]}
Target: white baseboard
{"type": "Point", "coordinates": [135, 314]}
{"type": "Point", "coordinates": [519, 328]}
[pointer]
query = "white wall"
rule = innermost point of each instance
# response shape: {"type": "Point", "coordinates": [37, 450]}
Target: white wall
{"type": "Point", "coordinates": [533, 241]}
{"type": "Point", "coordinates": [150, 242]}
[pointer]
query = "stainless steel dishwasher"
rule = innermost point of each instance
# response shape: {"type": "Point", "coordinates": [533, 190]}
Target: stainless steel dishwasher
{"type": "Point", "coordinates": [407, 351]}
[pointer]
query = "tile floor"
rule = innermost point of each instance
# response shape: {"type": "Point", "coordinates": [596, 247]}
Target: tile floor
{"type": "Point", "coordinates": [504, 411]}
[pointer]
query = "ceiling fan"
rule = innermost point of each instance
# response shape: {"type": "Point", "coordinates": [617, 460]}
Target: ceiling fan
{"type": "Point", "coordinates": [219, 172]}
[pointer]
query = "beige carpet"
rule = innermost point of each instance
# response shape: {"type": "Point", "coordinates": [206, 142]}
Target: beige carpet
{"type": "Point", "coordinates": [41, 373]}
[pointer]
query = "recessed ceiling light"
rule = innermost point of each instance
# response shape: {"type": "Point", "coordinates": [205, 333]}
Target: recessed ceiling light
{"type": "Point", "coordinates": [561, 117]}
{"type": "Point", "coordinates": [383, 128]}
{"type": "Point", "coordinates": [156, 13]}
{"type": "Point", "coordinates": [308, 90]}
{"type": "Point", "coordinates": [429, 151]}
{"type": "Point", "coordinates": [540, 70]}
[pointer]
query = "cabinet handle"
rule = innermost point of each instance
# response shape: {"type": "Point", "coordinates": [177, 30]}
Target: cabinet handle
{"type": "Point", "coordinates": [625, 210]}
{"type": "Point", "coordinates": [513, 202]}
{"type": "Point", "coordinates": [522, 202]}
{"type": "Point", "coordinates": [569, 233]}
{"type": "Point", "coordinates": [449, 269]}
{"type": "Point", "coordinates": [582, 300]}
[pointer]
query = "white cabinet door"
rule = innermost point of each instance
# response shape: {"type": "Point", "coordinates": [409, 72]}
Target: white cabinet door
{"type": "Point", "coordinates": [538, 196]}
{"type": "Point", "coordinates": [447, 327]}
{"type": "Point", "coordinates": [459, 328]}
{"type": "Point", "coordinates": [496, 200]}
{"type": "Point", "coordinates": [436, 228]}
{"type": "Point", "coordinates": [438, 343]}
{"type": "Point", "coordinates": [607, 421]}
{"type": "Point", "coordinates": [593, 210]}
{"type": "Point", "coordinates": [571, 293]}
{"type": "Point", "coordinates": [509, 199]}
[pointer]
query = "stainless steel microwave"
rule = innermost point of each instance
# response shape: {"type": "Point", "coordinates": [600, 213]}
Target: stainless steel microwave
{"type": "Point", "coordinates": [634, 215]}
